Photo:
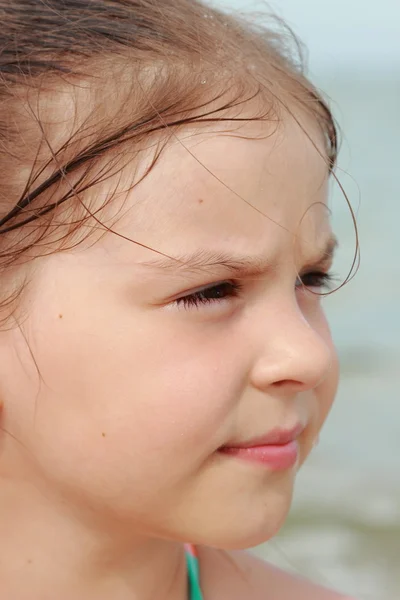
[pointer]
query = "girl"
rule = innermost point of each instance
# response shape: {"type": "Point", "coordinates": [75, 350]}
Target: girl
{"type": "Point", "coordinates": [165, 364]}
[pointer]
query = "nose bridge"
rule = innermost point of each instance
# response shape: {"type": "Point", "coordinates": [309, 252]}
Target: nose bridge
{"type": "Point", "coordinates": [291, 349]}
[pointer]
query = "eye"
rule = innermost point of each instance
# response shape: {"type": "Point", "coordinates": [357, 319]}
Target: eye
{"type": "Point", "coordinates": [210, 295]}
{"type": "Point", "coordinates": [316, 280]}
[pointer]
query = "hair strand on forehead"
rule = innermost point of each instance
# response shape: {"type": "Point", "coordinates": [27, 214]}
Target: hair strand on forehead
{"type": "Point", "coordinates": [87, 87]}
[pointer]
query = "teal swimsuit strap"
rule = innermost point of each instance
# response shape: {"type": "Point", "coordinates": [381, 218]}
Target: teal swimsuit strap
{"type": "Point", "coordinates": [193, 570]}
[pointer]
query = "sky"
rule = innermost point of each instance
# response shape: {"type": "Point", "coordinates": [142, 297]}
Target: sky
{"type": "Point", "coordinates": [362, 33]}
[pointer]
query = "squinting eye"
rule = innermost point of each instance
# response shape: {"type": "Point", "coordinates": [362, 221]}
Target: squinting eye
{"type": "Point", "coordinates": [210, 295]}
{"type": "Point", "coordinates": [316, 279]}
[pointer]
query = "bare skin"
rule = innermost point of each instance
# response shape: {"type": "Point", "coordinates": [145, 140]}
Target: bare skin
{"type": "Point", "coordinates": [117, 460]}
{"type": "Point", "coordinates": [241, 576]}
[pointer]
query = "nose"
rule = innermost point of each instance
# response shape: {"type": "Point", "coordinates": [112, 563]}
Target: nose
{"type": "Point", "coordinates": [294, 354]}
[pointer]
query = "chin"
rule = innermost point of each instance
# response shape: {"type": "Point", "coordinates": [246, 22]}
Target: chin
{"type": "Point", "coordinates": [256, 536]}
{"type": "Point", "coordinates": [249, 527]}
{"type": "Point", "coordinates": [245, 540]}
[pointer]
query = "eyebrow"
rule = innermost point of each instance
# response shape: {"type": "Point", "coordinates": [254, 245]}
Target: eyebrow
{"type": "Point", "coordinates": [245, 266]}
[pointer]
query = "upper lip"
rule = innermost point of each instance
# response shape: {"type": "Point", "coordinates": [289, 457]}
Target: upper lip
{"type": "Point", "coordinates": [274, 437]}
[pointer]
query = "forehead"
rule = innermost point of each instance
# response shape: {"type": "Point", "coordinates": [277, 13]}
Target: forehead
{"type": "Point", "coordinates": [255, 186]}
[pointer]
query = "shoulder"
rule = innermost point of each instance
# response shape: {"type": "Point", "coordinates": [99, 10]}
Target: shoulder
{"type": "Point", "coordinates": [241, 576]}
{"type": "Point", "coordinates": [271, 582]}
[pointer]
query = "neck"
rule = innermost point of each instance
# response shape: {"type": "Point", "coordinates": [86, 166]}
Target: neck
{"type": "Point", "coordinates": [46, 552]}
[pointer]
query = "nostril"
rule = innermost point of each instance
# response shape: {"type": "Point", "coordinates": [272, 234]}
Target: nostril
{"type": "Point", "coordinates": [294, 385]}
{"type": "Point", "coordinates": [286, 382]}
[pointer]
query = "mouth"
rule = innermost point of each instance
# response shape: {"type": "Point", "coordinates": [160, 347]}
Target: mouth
{"type": "Point", "coordinates": [277, 450]}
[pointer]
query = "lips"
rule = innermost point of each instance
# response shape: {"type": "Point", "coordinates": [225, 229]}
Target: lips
{"type": "Point", "coordinates": [275, 437]}
{"type": "Point", "coordinates": [278, 450]}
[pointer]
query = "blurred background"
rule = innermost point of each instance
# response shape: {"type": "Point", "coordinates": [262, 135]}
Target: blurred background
{"type": "Point", "coordinates": [344, 528]}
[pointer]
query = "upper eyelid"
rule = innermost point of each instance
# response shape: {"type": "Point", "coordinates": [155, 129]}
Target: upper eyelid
{"type": "Point", "coordinates": [320, 268]}
{"type": "Point", "coordinates": [317, 267]}
{"type": "Point", "coordinates": [199, 298]}
{"type": "Point", "coordinates": [194, 297]}
{"type": "Point", "coordinates": [311, 268]}
{"type": "Point", "coordinates": [238, 282]}
{"type": "Point", "coordinates": [211, 284]}
{"type": "Point", "coordinates": [201, 288]}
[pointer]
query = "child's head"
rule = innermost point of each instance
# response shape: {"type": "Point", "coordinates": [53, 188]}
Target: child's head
{"type": "Point", "coordinates": [163, 197]}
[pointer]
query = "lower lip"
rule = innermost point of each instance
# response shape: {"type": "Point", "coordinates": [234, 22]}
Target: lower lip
{"type": "Point", "coordinates": [275, 457]}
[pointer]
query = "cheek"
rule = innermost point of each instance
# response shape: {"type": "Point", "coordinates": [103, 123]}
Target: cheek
{"type": "Point", "coordinates": [319, 407]}
{"type": "Point", "coordinates": [119, 387]}
{"type": "Point", "coordinates": [315, 316]}
{"type": "Point", "coordinates": [188, 384]}
{"type": "Point", "coordinates": [325, 393]}
{"type": "Point", "coordinates": [327, 390]}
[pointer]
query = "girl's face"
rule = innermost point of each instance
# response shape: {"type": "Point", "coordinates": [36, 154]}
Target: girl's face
{"type": "Point", "coordinates": [144, 377]}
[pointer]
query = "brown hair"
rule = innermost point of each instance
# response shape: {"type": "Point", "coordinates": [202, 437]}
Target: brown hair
{"type": "Point", "coordinates": [121, 71]}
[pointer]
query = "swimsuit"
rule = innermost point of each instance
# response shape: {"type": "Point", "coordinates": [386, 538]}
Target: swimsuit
{"type": "Point", "coordinates": [192, 563]}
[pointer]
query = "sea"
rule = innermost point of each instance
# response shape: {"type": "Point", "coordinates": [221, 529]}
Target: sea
{"type": "Point", "coordinates": [344, 527]}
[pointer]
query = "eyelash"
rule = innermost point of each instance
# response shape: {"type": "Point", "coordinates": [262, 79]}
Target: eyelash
{"type": "Point", "coordinates": [316, 279]}
{"type": "Point", "coordinates": [223, 290]}
{"type": "Point", "coordinates": [231, 289]}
